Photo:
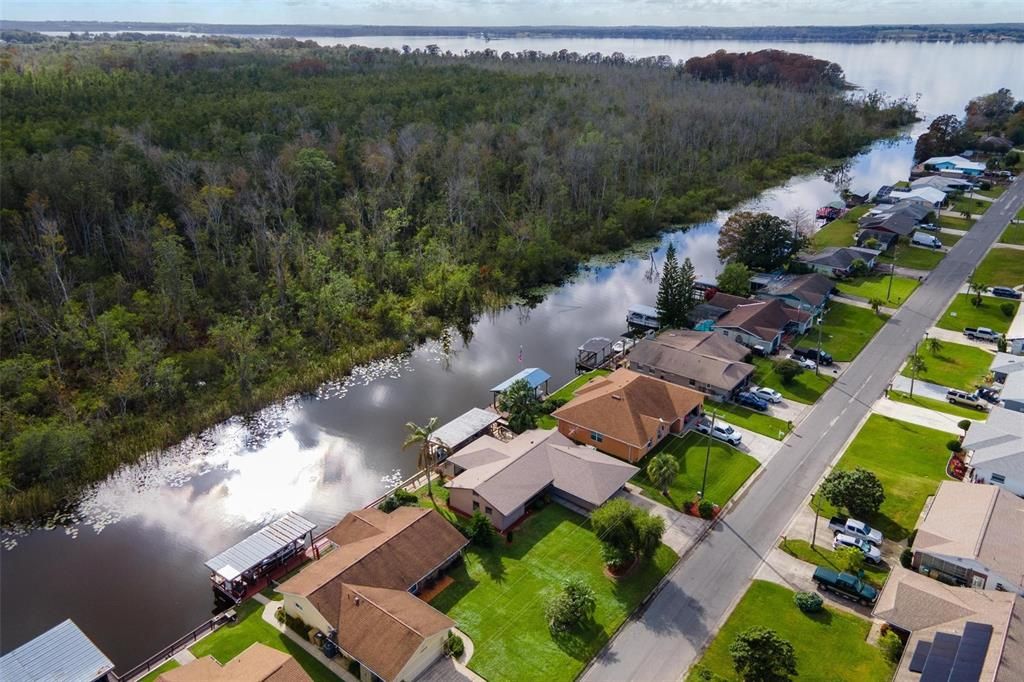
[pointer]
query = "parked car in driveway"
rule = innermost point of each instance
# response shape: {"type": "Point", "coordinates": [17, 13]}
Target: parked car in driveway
{"type": "Point", "coordinates": [769, 394]}
{"type": "Point", "coordinates": [803, 362]}
{"type": "Point", "coordinates": [871, 552]}
{"type": "Point", "coordinates": [819, 356]}
{"type": "Point", "coordinates": [845, 585]}
{"type": "Point", "coordinates": [858, 529]}
{"type": "Point", "coordinates": [1006, 292]}
{"type": "Point", "coordinates": [721, 431]}
{"type": "Point", "coordinates": [955, 397]}
{"type": "Point", "coordinates": [748, 399]}
{"type": "Point", "coordinates": [987, 394]}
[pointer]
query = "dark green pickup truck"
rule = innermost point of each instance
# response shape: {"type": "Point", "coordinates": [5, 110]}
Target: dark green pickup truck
{"type": "Point", "coordinates": [845, 585]}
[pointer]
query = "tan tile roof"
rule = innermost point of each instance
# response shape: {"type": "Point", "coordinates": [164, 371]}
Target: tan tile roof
{"type": "Point", "coordinates": [981, 522]}
{"type": "Point", "coordinates": [1011, 661]}
{"type": "Point", "coordinates": [706, 343]}
{"type": "Point", "coordinates": [384, 628]}
{"type": "Point", "coordinates": [258, 663]}
{"type": "Point", "coordinates": [628, 406]}
{"type": "Point", "coordinates": [705, 357]}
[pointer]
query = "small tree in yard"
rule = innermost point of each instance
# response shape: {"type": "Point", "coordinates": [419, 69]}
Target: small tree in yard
{"type": "Point", "coordinates": [788, 370]}
{"type": "Point", "coordinates": [858, 268]}
{"type": "Point", "coordinates": [876, 304]}
{"type": "Point", "coordinates": [964, 425]}
{"type": "Point", "coordinates": [933, 345]}
{"type": "Point", "coordinates": [849, 559]}
{"type": "Point", "coordinates": [978, 287]}
{"type": "Point", "coordinates": [759, 654]}
{"type": "Point", "coordinates": [858, 491]}
{"type": "Point", "coordinates": [626, 532]}
{"type": "Point", "coordinates": [479, 530]}
{"type": "Point", "coordinates": [916, 365]}
{"type": "Point", "coordinates": [891, 646]}
{"type": "Point", "coordinates": [571, 607]}
{"type": "Point", "coordinates": [954, 446]}
{"type": "Point", "coordinates": [520, 402]}
{"type": "Point", "coordinates": [1007, 309]}
{"type": "Point", "coordinates": [662, 470]}
{"type": "Point", "coordinates": [735, 279]}
{"type": "Point", "coordinates": [420, 435]}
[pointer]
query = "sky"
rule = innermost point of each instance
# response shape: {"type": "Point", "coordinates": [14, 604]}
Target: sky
{"type": "Point", "coordinates": [524, 12]}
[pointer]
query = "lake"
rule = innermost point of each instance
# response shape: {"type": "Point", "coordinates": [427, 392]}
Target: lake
{"type": "Point", "coordinates": [127, 565]}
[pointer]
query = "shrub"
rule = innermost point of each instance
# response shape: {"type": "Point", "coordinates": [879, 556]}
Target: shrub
{"type": "Point", "coordinates": [279, 614]}
{"type": "Point", "coordinates": [906, 557]}
{"type": "Point", "coordinates": [964, 425]}
{"type": "Point", "coordinates": [850, 559]}
{"type": "Point", "coordinates": [858, 491]}
{"type": "Point", "coordinates": [911, 538]}
{"type": "Point", "coordinates": [454, 646]}
{"type": "Point", "coordinates": [759, 653]}
{"type": "Point", "coordinates": [953, 445]}
{"type": "Point", "coordinates": [627, 532]}
{"type": "Point", "coordinates": [808, 602]}
{"type": "Point", "coordinates": [406, 498]}
{"type": "Point", "coordinates": [891, 646]}
{"type": "Point", "coordinates": [552, 403]}
{"type": "Point", "coordinates": [388, 504]}
{"type": "Point", "coordinates": [571, 607]}
{"type": "Point", "coordinates": [353, 667]}
{"type": "Point", "coordinates": [703, 674]}
{"type": "Point", "coordinates": [787, 371]}
{"type": "Point", "coordinates": [298, 625]}
{"type": "Point", "coordinates": [706, 509]}
{"type": "Point", "coordinates": [1007, 309]}
{"type": "Point", "coordinates": [479, 530]}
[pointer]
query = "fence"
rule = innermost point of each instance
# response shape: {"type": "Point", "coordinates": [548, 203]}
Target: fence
{"type": "Point", "coordinates": [157, 659]}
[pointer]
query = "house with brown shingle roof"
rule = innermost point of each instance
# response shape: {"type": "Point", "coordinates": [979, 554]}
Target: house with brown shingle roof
{"type": "Point", "coordinates": [973, 535]}
{"type": "Point", "coordinates": [762, 323]}
{"type": "Point", "coordinates": [930, 614]}
{"type": "Point", "coordinates": [808, 292]}
{"type": "Point", "coordinates": [704, 361]}
{"type": "Point", "coordinates": [361, 594]}
{"type": "Point", "coordinates": [501, 479]}
{"type": "Point", "coordinates": [626, 414]}
{"type": "Point", "coordinates": [258, 663]}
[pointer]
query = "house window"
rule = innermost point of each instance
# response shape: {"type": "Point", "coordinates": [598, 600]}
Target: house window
{"type": "Point", "coordinates": [476, 505]}
{"type": "Point", "coordinates": [487, 510]}
{"type": "Point", "coordinates": [596, 437]}
{"type": "Point", "coordinates": [649, 443]}
{"type": "Point", "coordinates": [692, 382]}
{"type": "Point", "coordinates": [998, 478]}
{"type": "Point", "coordinates": [725, 333]}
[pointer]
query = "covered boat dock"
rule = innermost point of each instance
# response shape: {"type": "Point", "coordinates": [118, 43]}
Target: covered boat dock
{"type": "Point", "coordinates": [245, 568]}
{"type": "Point", "coordinates": [461, 431]}
{"type": "Point", "coordinates": [63, 652]}
{"type": "Point", "coordinates": [534, 376]}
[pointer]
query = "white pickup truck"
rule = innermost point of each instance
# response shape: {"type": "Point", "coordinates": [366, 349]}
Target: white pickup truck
{"type": "Point", "coordinates": [858, 529]}
{"type": "Point", "coordinates": [981, 334]}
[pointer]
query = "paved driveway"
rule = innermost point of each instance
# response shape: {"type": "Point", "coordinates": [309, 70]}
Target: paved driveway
{"type": "Point", "coordinates": [925, 389]}
{"type": "Point", "coordinates": [681, 530]}
{"type": "Point", "coordinates": [782, 569]}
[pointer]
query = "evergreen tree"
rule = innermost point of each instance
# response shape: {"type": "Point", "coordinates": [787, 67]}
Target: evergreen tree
{"type": "Point", "coordinates": [687, 288]}
{"type": "Point", "coordinates": [668, 290]}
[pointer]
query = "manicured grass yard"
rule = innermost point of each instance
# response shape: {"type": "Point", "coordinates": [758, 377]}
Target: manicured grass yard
{"type": "Point", "coordinates": [962, 313]}
{"type": "Point", "coordinates": [975, 206]}
{"type": "Point", "coordinates": [749, 420]}
{"type": "Point", "coordinates": [994, 192]}
{"type": "Point", "coordinates": [821, 556]}
{"type": "Point", "coordinates": [499, 595]}
{"type": "Point", "coordinates": [1001, 268]}
{"type": "Point", "coordinates": [233, 639]}
{"type": "Point", "coordinates": [805, 388]}
{"type": "Point", "coordinates": [546, 421]}
{"type": "Point", "coordinates": [440, 501]}
{"type": "Point", "coordinates": [829, 645]}
{"type": "Point", "coordinates": [955, 223]}
{"type": "Point", "coordinates": [157, 672]}
{"type": "Point", "coordinates": [916, 257]}
{"type": "Point", "coordinates": [956, 366]}
{"type": "Point", "coordinates": [1014, 234]}
{"type": "Point", "coordinates": [908, 459]}
{"type": "Point", "coordinates": [728, 469]}
{"type": "Point", "coordinates": [846, 330]}
{"type": "Point", "coordinates": [937, 405]}
{"type": "Point", "coordinates": [877, 286]}
{"type": "Point", "coordinates": [947, 238]}
{"type": "Point", "coordinates": [839, 232]}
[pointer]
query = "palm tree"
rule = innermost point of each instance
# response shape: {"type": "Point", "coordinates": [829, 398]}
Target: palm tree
{"type": "Point", "coordinates": [876, 304]}
{"type": "Point", "coordinates": [421, 435]}
{"type": "Point", "coordinates": [662, 470]}
{"type": "Point", "coordinates": [979, 288]}
{"type": "Point", "coordinates": [934, 346]}
{"type": "Point", "coordinates": [915, 363]}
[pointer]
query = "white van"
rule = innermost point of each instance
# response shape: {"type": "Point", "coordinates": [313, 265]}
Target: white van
{"type": "Point", "coordinates": [929, 240]}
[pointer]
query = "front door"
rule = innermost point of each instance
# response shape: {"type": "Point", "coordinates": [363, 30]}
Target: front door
{"type": "Point", "coordinates": [978, 582]}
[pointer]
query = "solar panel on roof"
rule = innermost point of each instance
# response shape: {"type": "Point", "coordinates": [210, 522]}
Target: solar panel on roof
{"type": "Point", "coordinates": [940, 658]}
{"type": "Point", "coordinates": [970, 655]}
{"type": "Point", "coordinates": [920, 656]}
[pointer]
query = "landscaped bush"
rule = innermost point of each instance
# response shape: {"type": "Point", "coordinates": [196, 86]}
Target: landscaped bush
{"type": "Point", "coordinates": [953, 445]}
{"type": "Point", "coordinates": [808, 602]}
{"type": "Point", "coordinates": [787, 371]}
{"type": "Point", "coordinates": [906, 557]}
{"type": "Point", "coordinates": [279, 614]}
{"type": "Point", "coordinates": [479, 530]}
{"type": "Point", "coordinates": [298, 625]}
{"type": "Point", "coordinates": [1006, 309]}
{"type": "Point", "coordinates": [706, 509]}
{"type": "Point", "coordinates": [891, 646]}
{"type": "Point", "coordinates": [353, 667]}
{"type": "Point", "coordinates": [399, 498]}
{"type": "Point", "coordinates": [454, 646]}
{"type": "Point", "coordinates": [552, 403]}
{"type": "Point", "coordinates": [571, 607]}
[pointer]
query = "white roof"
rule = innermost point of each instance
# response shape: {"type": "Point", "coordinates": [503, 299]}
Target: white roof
{"type": "Point", "coordinates": [262, 544]}
{"type": "Point", "coordinates": [929, 194]}
{"type": "Point", "coordinates": [1007, 363]}
{"type": "Point", "coordinates": [958, 161]}
{"type": "Point", "coordinates": [998, 442]}
{"type": "Point", "coordinates": [940, 182]}
{"type": "Point", "coordinates": [464, 427]}
{"type": "Point", "coordinates": [62, 653]}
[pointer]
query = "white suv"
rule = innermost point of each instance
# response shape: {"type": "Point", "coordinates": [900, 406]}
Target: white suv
{"type": "Point", "coordinates": [871, 552]}
{"type": "Point", "coordinates": [721, 431]}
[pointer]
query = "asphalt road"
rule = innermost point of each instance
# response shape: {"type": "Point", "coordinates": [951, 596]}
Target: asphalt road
{"type": "Point", "coordinates": [671, 632]}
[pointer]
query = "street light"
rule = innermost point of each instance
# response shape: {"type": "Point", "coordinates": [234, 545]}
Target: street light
{"type": "Point", "coordinates": [707, 457]}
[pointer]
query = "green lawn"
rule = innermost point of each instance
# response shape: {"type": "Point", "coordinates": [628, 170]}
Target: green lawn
{"type": "Point", "coordinates": [499, 595]}
{"type": "Point", "coordinates": [440, 501]}
{"type": "Point", "coordinates": [1001, 268]}
{"type": "Point", "coordinates": [916, 257]}
{"type": "Point", "coordinates": [947, 238]}
{"type": "Point", "coordinates": [805, 388]}
{"type": "Point", "coordinates": [546, 421]}
{"type": "Point", "coordinates": [994, 192]}
{"type": "Point", "coordinates": [962, 313]}
{"type": "Point", "coordinates": [728, 469]}
{"type": "Point", "coordinates": [909, 460]}
{"type": "Point", "coordinates": [839, 232]}
{"type": "Point", "coordinates": [829, 645]}
{"type": "Point", "coordinates": [1014, 234]}
{"type": "Point", "coordinates": [233, 639]}
{"type": "Point", "coordinates": [845, 331]}
{"type": "Point", "coordinates": [821, 556]}
{"type": "Point", "coordinates": [750, 420]}
{"type": "Point", "coordinates": [955, 366]}
{"type": "Point", "coordinates": [975, 206]}
{"type": "Point", "coordinates": [955, 223]}
{"type": "Point", "coordinates": [937, 405]}
{"type": "Point", "coordinates": [157, 672]}
{"type": "Point", "coordinates": [877, 286]}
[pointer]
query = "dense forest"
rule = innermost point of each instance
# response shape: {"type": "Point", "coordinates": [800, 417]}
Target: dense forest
{"type": "Point", "coordinates": [196, 228]}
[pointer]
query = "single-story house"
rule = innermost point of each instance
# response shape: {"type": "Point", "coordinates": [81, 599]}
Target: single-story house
{"type": "Point", "coordinates": [899, 224]}
{"type": "Point", "coordinates": [837, 260]}
{"type": "Point", "coordinates": [996, 450]}
{"type": "Point", "coordinates": [63, 653]}
{"type": "Point", "coordinates": [761, 323]}
{"type": "Point", "coordinates": [954, 164]}
{"type": "Point", "coordinates": [461, 431]}
{"type": "Point", "coordinates": [971, 536]}
{"type": "Point", "coordinates": [952, 633]}
{"type": "Point", "coordinates": [704, 361]}
{"type": "Point", "coordinates": [501, 479]}
{"type": "Point", "coordinates": [886, 240]}
{"type": "Point", "coordinates": [258, 663]}
{"type": "Point", "coordinates": [626, 414]}
{"type": "Point", "coordinates": [1012, 393]}
{"type": "Point", "coordinates": [943, 184]}
{"type": "Point", "coordinates": [808, 292]}
{"type": "Point", "coordinates": [362, 594]}
{"type": "Point", "coordinates": [1015, 336]}
{"type": "Point", "coordinates": [934, 197]}
{"type": "Point", "coordinates": [1005, 364]}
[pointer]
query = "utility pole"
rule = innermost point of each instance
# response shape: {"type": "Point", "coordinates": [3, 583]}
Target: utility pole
{"type": "Point", "coordinates": [821, 318]}
{"type": "Point", "coordinates": [817, 512]}
{"type": "Point", "coordinates": [892, 268]}
{"type": "Point", "coordinates": [707, 457]}
{"type": "Point", "coordinates": [913, 370]}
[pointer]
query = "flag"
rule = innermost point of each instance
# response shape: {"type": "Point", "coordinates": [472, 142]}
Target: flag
{"type": "Point", "coordinates": [520, 355]}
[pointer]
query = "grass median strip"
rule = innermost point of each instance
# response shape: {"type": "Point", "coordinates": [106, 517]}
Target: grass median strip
{"type": "Point", "coordinates": [1013, 234]}
{"type": "Point", "coordinates": [955, 223]}
{"type": "Point", "coordinates": [962, 313]}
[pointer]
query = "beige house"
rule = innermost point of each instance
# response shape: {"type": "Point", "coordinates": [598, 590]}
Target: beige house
{"type": "Point", "coordinates": [500, 480]}
{"type": "Point", "coordinates": [973, 535]}
{"type": "Point", "coordinates": [959, 628]}
{"type": "Point", "coordinates": [704, 361]}
{"type": "Point", "coordinates": [362, 593]}
{"type": "Point", "coordinates": [258, 663]}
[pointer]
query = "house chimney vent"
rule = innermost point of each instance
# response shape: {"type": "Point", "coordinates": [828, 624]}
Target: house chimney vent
{"type": "Point", "coordinates": [357, 601]}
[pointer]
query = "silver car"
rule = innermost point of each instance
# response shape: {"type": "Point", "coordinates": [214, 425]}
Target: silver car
{"type": "Point", "coordinates": [769, 394]}
{"type": "Point", "coordinates": [721, 431]}
{"type": "Point", "coordinates": [871, 552]}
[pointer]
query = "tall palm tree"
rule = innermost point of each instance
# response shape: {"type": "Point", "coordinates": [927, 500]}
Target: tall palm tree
{"type": "Point", "coordinates": [934, 345]}
{"type": "Point", "coordinates": [662, 470]}
{"type": "Point", "coordinates": [915, 363]}
{"type": "Point", "coordinates": [420, 435]}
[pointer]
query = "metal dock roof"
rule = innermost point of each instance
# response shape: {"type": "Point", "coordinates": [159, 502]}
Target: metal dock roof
{"type": "Point", "coordinates": [232, 562]}
{"type": "Point", "coordinates": [463, 427]}
{"type": "Point", "coordinates": [61, 653]}
{"type": "Point", "coordinates": [534, 376]}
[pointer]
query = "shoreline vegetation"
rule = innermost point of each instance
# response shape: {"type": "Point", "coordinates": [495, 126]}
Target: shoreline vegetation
{"type": "Point", "coordinates": [195, 230]}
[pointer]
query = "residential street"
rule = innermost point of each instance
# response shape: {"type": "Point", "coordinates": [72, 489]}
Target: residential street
{"type": "Point", "coordinates": [678, 622]}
